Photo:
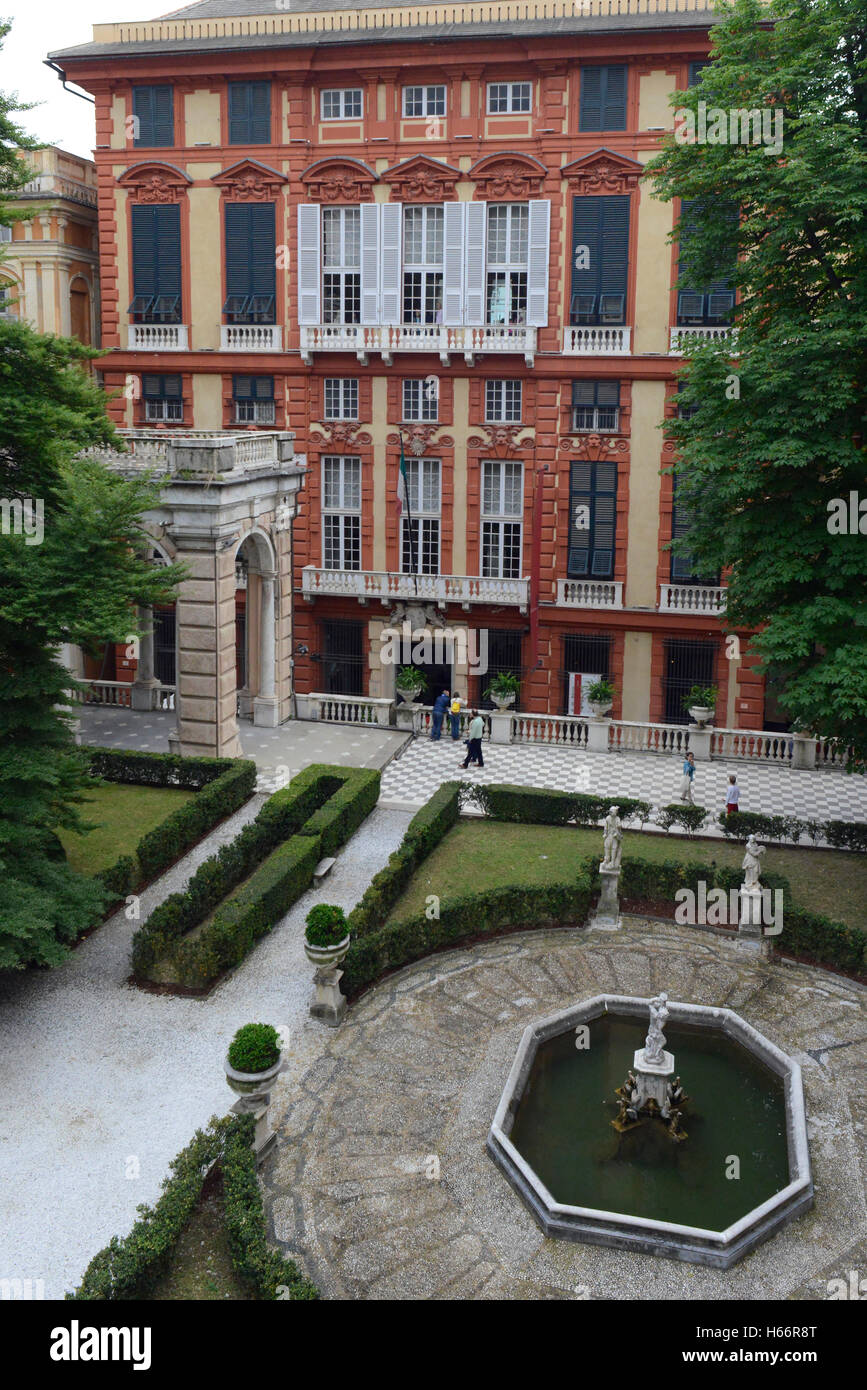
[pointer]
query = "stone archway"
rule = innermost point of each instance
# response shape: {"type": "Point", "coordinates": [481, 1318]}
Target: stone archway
{"type": "Point", "coordinates": [257, 697]}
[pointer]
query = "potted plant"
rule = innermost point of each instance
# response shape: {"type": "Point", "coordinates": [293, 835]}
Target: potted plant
{"type": "Point", "coordinates": [326, 935]}
{"type": "Point", "coordinates": [600, 697]}
{"type": "Point", "coordinates": [700, 700]}
{"type": "Point", "coordinates": [503, 689]}
{"type": "Point", "coordinates": [409, 683]}
{"type": "Point", "coordinates": [254, 1059]}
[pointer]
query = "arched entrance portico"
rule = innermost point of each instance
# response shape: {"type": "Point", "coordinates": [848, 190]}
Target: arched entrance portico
{"type": "Point", "coordinates": [256, 568]}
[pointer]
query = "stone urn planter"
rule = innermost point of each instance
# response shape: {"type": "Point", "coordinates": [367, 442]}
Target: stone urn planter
{"type": "Point", "coordinates": [328, 1003]}
{"type": "Point", "coordinates": [701, 714]}
{"type": "Point", "coordinates": [253, 1083]}
{"type": "Point", "coordinates": [599, 708]}
{"type": "Point", "coordinates": [326, 957]}
{"type": "Point", "coordinates": [410, 695]}
{"type": "Point", "coordinates": [503, 701]}
{"type": "Point", "coordinates": [253, 1089]}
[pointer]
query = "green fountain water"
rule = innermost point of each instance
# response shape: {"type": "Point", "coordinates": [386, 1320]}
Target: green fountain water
{"type": "Point", "coordinates": [735, 1123]}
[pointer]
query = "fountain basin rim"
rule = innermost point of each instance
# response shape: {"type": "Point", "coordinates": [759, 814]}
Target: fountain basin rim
{"type": "Point", "coordinates": [689, 1243]}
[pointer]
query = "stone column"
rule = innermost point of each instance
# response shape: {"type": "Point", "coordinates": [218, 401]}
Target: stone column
{"type": "Point", "coordinates": [145, 683]}
{"type": "Point", "coordinates": [207, 700]}
{"type": "Point", "coordinates": [265, 703]}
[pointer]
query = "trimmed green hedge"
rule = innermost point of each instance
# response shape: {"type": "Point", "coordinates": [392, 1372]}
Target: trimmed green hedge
{"type": "Point", "coordinates": [222, 785]}
{"type": "Point", "coordinates": [129, 1268]}
{"type": "Point", "coordinates": [250, 883]}
{"type": "Point", "coordinates": [537, 806]}
{"type": "Point", "coordinates": [423, 834]}
{"type": "Point", "coordinates": [463, 919]}
{"type": "Point", "coordinates": [842, 834]}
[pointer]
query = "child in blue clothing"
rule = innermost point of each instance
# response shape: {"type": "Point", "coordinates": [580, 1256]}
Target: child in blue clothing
{"type": "Point", "coordinates": [688, 774]}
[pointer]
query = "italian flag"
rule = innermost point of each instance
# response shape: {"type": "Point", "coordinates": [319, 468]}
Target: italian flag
{"type": "Point", "coordinates": [402, 484]}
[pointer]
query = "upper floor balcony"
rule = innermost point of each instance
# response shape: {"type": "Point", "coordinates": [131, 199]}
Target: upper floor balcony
{"type": "Point", "coordinates": [682, 336]}
{"type": "Point", "coordinates": [693, 598]}
{"type": "Point", "coordinates": [387, 339]}
{"type": "Point", "coordinates": [589, 593]}
{"type": "Point", "coordinates": [597, 340]}
{"type": "Point", "coordinates": [389, 587]}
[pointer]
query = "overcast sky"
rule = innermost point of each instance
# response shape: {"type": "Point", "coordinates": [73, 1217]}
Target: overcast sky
{"type": "Point", "coordinates": [40, 27]}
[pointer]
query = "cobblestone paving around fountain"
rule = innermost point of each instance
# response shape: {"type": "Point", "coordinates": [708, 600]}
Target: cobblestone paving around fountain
{"type": "Point", "coordinates": [409, 1084]}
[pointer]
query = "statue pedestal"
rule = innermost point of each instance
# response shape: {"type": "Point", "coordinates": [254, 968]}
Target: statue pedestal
{"type": "Point", "coordinates": [607, 914]}
{"type": "Point", "coordinates": [652, 1079]}
{"type": "Point", "coordinates": [750, 923]}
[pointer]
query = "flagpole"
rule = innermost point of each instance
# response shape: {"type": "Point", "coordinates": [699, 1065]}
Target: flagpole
{"type": "Point", "coordinates": [412, 562]}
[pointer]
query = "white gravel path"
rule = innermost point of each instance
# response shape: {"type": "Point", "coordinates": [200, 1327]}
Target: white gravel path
{"type": "Point", "coordinates": [103, 1084]}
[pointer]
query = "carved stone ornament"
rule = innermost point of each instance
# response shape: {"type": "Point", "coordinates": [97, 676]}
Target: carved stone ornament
{"type": "Point", "coordinates": [336, 180]}
{"type": "Point", "coordinates": [500, 439]}
{"type": "Point", "coordinates": [594, 447]}
{"type": "Point", "coordinates": [419, 438]}
{"type": "Point", "coordinates": [507, 176]}
{"type": "Point", "coordinates": [420, 180]}
{"type": "Point", "coordinates": [155, 183]}
{"type": "Point", "coordinates": [602, 172]}
{"type": "Point", "coordinates": [250, 182]}
{"type": "Point", "coordinates": [345, 432]}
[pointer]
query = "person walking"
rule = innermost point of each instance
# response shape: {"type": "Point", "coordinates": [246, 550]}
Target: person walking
{"type": "Point", "coordinates": [688, 774]}
{"type": "Point", "coordinates": [455, 716]}
{"type": "Point", "coordinates": [440, 705]}
{"type": "Point", "coordinates": [474, 742]}
{"type": "Point", "coordinates": [733, 795]}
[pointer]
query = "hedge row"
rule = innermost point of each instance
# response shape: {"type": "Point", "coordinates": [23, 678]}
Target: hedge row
{"type": "Point", "coordinates": [842, 834]}
{"type": "Point", "coordinates": [423, 834]}
{"type": "Point", "coordinates": [536, 806]}
{"type": "Point", "coordinates": [130, 1268]}
{"type": "Point", "coordinates": [250, 883]}
{"type": "Point", "coordinates": [463, 919]}
{"type": "Point", "coordinates": [221, 785]}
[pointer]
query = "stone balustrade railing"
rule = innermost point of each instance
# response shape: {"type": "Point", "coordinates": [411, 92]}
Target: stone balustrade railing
{"type": "Point", "coordinates": [553, 729]}
{"type": "Point", "coordinates": [443, 339]}
{"type": "Point", "coordinates": [633, 736]}
{"type": "Point", "coordinates": [435, 588]}
{"type": "Point", "coordinates": [344, 709]}
{"type": "Point", "coordinates": [118, 694]}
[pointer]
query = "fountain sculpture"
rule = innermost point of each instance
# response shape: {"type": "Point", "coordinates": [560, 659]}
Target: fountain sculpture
{"type": "Point", "coordinates": [648, 1093]}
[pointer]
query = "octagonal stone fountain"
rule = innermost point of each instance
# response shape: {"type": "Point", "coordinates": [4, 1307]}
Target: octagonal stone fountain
{"type": "Point", "coordinates": [640, 1165]}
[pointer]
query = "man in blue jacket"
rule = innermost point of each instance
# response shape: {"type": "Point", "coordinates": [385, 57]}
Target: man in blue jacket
{"type": "Point", "coordinates": [441, 704]}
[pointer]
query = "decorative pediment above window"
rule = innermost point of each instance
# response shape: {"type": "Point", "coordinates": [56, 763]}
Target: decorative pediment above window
{"type": "Point", "coordinates": [508, 175]}
{"type": "Point", "coordinates": [335, 180]}
{"type": "Point", "coordinates": [422, 180]}
{"type": "Point", "coordinates": [420, 438]}
{"type": "Point", "coordinates": [346, 433]}
{"type": "Point", "coordinates": [502, 440]}
{"type": "Point", "coordinates": [602, 172]}
{"type": "Point", "coordinates": [594, 447]}
{"type": "Point", "coordinates": [155, 182]}
{"type": "Point", "coordinates": [248, 181]}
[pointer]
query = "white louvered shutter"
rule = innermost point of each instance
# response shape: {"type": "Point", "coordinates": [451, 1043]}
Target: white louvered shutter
{"type": "Point", "coordinates": [474, 288]}
{"type": "Point", "coordinates": [538, 257]}
{"type": "Point", "coordinates": [370, 263]}
{"type": "Point", "coordinates": [453, 269]}
{"type": "Point", "coordinates": [309, 255]}
{"type": "Point", "coordinates": [390, 229]}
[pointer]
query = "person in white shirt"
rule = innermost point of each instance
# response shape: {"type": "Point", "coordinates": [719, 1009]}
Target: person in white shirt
{"type": "Point", "coordinates": [733, 795]}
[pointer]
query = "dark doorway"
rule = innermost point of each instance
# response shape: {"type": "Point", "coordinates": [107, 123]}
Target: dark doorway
{"type": "Point", "coordinates": [687, 663]}
{"type": "Point", "coordinates": [240, 640]}
{"type": "Point", "coordinates": [504, 658]}
{"type": "Point", "coordinates": [342, 658]}
{"type": "Point", "coordinates": [776, 719]}
{"type": "Point", "coordinates": [165, 665]}
{"type": "Point", "coordinates": [584, 654]}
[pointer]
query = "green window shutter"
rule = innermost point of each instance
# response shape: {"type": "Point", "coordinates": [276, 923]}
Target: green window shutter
{"type": "Point", "coordinates": [614, 99]}
{"type": "Point", "coordinates": [249, 113]}
{"type": "Point", "coordinates": [590, 115]}
{"type": "Point", "coordinates": [155, 109]}
{"type": "Point", "coordinates": [591, 546]}
{"type": "Point", "coordinates": [251, 252]}
{"type": "Point", "coordinates": [156, 250]}
{"type": "Point", "coordinates": [603, 98]}
{"type": "Point", "coordinates": [601, 224]}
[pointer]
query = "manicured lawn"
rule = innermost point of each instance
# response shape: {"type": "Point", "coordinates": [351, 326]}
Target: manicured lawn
{"type": "Point", "coordinates": [122, 814]}
{"type": "Point", "coordinates": [479, 854]}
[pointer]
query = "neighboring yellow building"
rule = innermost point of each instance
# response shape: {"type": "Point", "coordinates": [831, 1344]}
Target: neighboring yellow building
{"type": "Point", "coordinates": [49, 265]}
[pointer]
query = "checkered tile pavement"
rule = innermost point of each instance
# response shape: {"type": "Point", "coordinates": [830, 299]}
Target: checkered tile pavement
{"type": "Point", "coordinates": [412, 777]}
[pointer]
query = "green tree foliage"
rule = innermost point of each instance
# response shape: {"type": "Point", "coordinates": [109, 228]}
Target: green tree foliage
{"type": "Point", "coordinates": [779, 430]}
{"type": "Point", "coordinates": [79, 585]}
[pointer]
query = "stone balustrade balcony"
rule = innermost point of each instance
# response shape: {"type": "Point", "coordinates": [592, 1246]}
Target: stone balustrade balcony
{"type": "Point", "coordinates": [387, 339]}
{"type": "Point", "coordinates": [597, 340]}
{"type": "Point", "coordinates": [389, 587]}
{"type": "Point", "coordinates": [681, 338]}
{"type": "Point", "coordinates": [158, 337]}
{"type": "Point", "coordinates": [589, 593]}
{"type": "Point", "coordinates": [692, 598]}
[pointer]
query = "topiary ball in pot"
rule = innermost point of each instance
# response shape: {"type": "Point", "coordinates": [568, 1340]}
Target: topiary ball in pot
{"type": "Point", "coordinates": [254, 1048]}
{"type": "Point", "coordinates": [327, 935]}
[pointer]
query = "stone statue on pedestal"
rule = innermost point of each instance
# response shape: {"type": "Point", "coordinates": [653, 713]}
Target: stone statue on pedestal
{"type": "Point", "coordinates": [655, 1042]}
{"type": "Point", "coordinates": [752, 863]}
{"type": "Point", "coordinates": [612, 840]}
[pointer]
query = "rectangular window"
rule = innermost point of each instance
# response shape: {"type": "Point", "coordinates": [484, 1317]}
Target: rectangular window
{"type": "Point", "coordinates": [508, 98]}
{"type": "Point", "coordinates": [424, 101]}
{"type": "Point", "coordinates": [585, 655]}
{"type": "Point", "coordinates": [507, 250]}
{"type": "Point", "coordinates": [421, 399]}
{"type": "Point", "coordinates": [503, 401]}
{"type": "Point", "coordinates": [683, 564]}
{"type": "Point", "coordinates": [420, 531]}
{"type": "Point", "coordinates": [254, 400]}
{"type": "Point", "coordinates": [341, 513]}
{"type": "Point", "coordinates": [251, 263]}
{"type": "Point", "coordinates": [156, 264]}
{"type": "Point", "coordinates": [249, 113]}
{"type": "Point", "coordinates": [502, 514]}
{"type": "Point", "coordinates": [341, 398]}
{"type": "Point", "coordinates": [592, 520]}
{"type": "Point", "coordinates": [341, 104]}
{"type": "Point", "coordinates": [687, 663]}
{"type": "Point", "coordinates": [600, 259]}
{"type": "Point", "coordinates": [596, 406]}
{"type": "Point", "coordinates": [603, 98]}
{"type": "Point", "coordinates": [423, 264]}
{"type": "Point", "coordinates": [341, 259]}
{"type": "Point", "coordinates": [5, 233]}
{"type": "Point", "coordinates": [694, 72]}
{"type": "Point", "coordinates": [714, 304]}
{"type": "Point", "coordinates": [162, 398]}
{"type": "Point", "coordinates": [343, 661]}
{"type": "Point", "coordinates": [153, 110]}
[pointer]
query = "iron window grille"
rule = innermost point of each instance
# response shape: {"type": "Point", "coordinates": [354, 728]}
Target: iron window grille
{"type": "Point", "coordinates": [596, 406]}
